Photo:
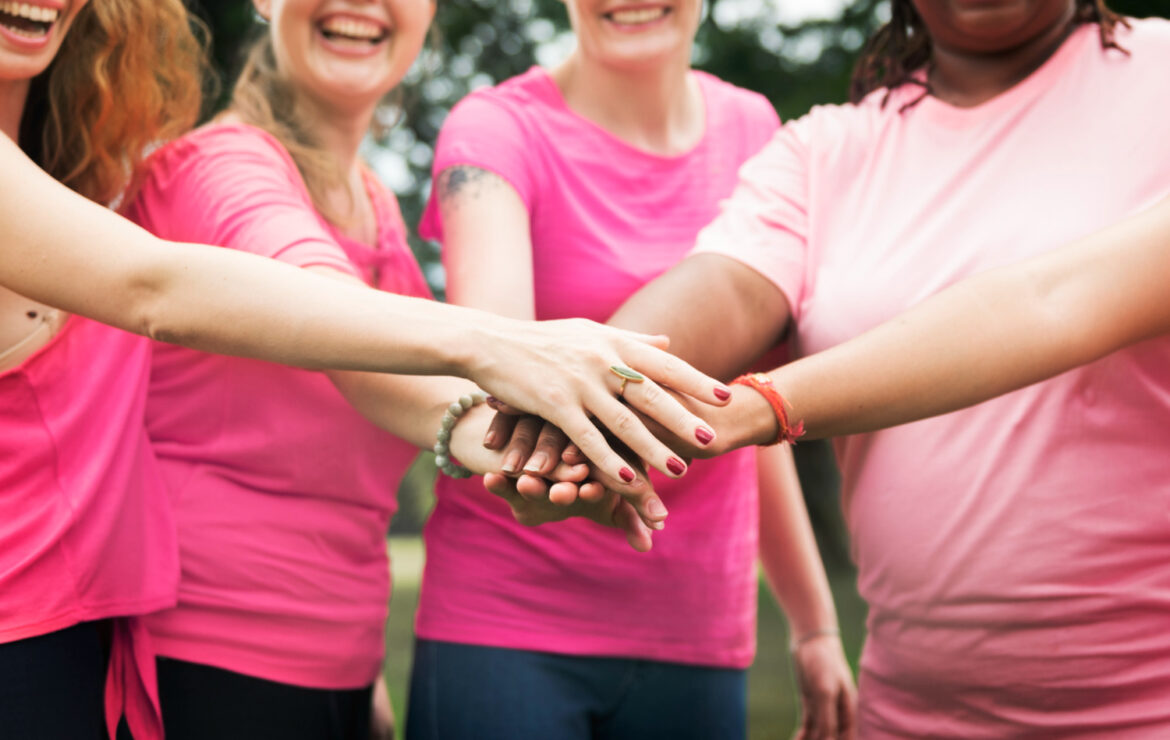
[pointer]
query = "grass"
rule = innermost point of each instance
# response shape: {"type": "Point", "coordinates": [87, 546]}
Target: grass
{"type": "Point", "coordinates": [772, 700]}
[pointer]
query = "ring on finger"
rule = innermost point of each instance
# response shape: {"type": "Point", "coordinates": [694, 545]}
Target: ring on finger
{"type": "Point", "coordinates": [628, 375]}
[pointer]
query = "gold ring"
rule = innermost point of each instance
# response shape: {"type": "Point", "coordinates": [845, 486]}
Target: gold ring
{"type": "Point", "coordinates": [627, 375]}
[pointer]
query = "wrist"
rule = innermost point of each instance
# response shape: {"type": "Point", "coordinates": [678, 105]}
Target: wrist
{"type": "Point", "coordinates": [800, 639]}
{"type": "Point", "coordinates": [750, 420]}
{"type": "Point", "coordinates": [783, 430]}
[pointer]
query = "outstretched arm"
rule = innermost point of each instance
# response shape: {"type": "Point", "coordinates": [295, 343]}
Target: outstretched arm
{"type": "Point", "coordinates": [992, 333]}
{"type": "Point", "coordinates": [66, 251]}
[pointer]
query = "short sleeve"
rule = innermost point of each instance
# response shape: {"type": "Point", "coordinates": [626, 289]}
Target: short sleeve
{"type": "Point", "coordinates": [764, 223]}
{"type": "Point", "coordinates": [234, 186]}
{"type": "Point", "coordinates": [485, 131]}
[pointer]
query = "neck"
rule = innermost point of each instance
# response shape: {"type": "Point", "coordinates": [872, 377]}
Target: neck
{"type": "Point", "coordinates": [966, 79]}
{"type": "Point", "coordinates": [340, 132]}
{"type": "Point", "coordinates": [13, 96]}
{"type": "Point", "coordinates": [658, 109]}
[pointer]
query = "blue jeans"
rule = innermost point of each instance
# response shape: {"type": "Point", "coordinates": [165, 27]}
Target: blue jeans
{"type": "Point", "coordinates": [471, 692]}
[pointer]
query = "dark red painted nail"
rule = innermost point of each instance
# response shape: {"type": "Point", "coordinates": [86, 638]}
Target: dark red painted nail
{"type": "Point", "coordinates": [626, 474]}
{"type": "Point", "coordinates": [704, 435]}
{"type": "Point", "coordinates": [675, 466]}
{"type": "Point", "coordinates": [722, 394]}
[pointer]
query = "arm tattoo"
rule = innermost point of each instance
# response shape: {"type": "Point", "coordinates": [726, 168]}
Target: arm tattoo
{"type": "Point", "coordinates": [463, 180]}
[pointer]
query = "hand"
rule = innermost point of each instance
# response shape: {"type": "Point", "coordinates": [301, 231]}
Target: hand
{"type": "Point", "coordinates": [827, 694]}
{"type": "Point", "coordinates": [537, 504]}
{"type": "Point", "coordinates": [534, 450]}
{"type": "Point", "coordinates": [382, 724]}
{"type": "Point", "coordinates": [560, 371]}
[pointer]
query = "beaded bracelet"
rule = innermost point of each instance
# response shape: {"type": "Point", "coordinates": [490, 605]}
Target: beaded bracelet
{"type": "Point", "coordinates": [443, 436]}
{"type": "Point", "coordinates": [763, 385]}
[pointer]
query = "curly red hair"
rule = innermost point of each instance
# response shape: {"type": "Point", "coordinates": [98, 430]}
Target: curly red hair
{"type": "Point", "coordinates": [128, 76]}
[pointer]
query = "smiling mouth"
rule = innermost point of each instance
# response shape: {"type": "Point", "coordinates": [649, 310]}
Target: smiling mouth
{"type": "Point", "coordinates": [29, 21]}
{"type": "Point", "coordinates": [353, 31]}
{"type": "Point", "coordinates": [637, 17]}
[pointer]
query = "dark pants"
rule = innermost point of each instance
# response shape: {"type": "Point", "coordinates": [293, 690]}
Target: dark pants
{"type": "Point", "coordinates": [200, 702]}
{"type": "Point", "coordinates": [53, 686]}
{"type": "Point", "coordinates": [470, 692]}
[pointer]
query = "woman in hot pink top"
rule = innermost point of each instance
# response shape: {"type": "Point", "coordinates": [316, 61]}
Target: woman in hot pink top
{"type": "Point", "coordinates": [1015, 554]}
{"type": "Point", "coordinates": [283, 490]}
{"type": "Point", "coordinates": [558, 194]}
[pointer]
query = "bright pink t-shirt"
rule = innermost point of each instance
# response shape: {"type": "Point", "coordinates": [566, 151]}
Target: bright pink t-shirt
{"type": "Point", "coordinates": [283, 492]}
{"type": "Point", "coordinates": [86, 530]}
{"type": "Point", "coordinates": [1015, 555]}
{"type": "Point", "coordinates": [606, 218]}
{"type": "Point", "coordinates": [85, 527]}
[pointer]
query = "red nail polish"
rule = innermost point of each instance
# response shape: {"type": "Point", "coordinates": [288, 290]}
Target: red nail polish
{"type": "Point", "coordinates": [626, 474]}
{"type": "Point", "coordinates": [704, 435]}
{"type": "Point", "coordinates": [675, 466]}
{"type": "Point", "coordinates": [722, 394]}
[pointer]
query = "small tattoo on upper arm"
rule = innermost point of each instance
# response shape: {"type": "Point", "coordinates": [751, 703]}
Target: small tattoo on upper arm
{"type": "Point", "coordinates": [463, 180]}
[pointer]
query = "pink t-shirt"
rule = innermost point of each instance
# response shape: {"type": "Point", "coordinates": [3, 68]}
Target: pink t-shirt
{"type": "Point", "coordinates": [1015, 555]}
{"type": "Point", "coordinates": [85, 526]}
{"type": "Point", "coordinates": [283, 492]}
{"type": "Point", "coordinates": [606, 218]}
{"type": "Point", "coordinates": [86, 530]}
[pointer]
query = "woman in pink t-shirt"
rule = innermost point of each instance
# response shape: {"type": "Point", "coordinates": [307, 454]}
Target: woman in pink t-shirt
{"type": "Point", "coordinates": [1014, 554]}
{"type": "Point", "coordinates": [283, 490]}
{"type": "Point", "coordinates": [86, 538]}
{"type": "Point", "coordinates": [559, 193]}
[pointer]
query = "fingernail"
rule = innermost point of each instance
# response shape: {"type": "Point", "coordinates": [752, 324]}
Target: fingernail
{"type": "Point", "coordinates": [536, 463]}
{"type": "Point", "coordinates": [704, 435]}
{"type": "Point", "coordinates": [722, 394]}
{"type": "Point", "coordinates": [626, 474]}
{"type": "Point", "coordinates": [656, 509]}
{"type": "Point", "coordinates": [489, 439]}
{"type": "Point", "coordinates": [511, 462]}
{"type": "Point", "coordinates": [675, 466]}
{"type": "Point", "coordinates": [658, 526]}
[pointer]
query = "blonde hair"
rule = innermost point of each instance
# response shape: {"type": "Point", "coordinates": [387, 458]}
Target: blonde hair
{"type": "Point", "coordinates": [264, 98]}
{"type": "Point", "coordinates": [128, 76]}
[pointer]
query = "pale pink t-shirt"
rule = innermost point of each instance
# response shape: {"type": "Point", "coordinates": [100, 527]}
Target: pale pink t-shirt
{"type": "Point", "coordinates": [606, 218]}
{"type": "Point", "coordinates": [283, 492]}
{"type": "Point", "coordinates": [86, 531]}
{"type": "Point", "coordinates": [1015, 555]}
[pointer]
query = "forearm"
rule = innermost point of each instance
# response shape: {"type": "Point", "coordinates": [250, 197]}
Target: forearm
{"type": "Point", "coordinates": [719, 314]}
{"type": "Point", "coordinates": [66, 251]}
{"type": "Point", "coordinates": [788, 550]}
{"type": "Point", "coordinates": [992, 333]}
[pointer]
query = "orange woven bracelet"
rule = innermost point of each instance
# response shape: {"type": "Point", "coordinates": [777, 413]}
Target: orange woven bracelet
{"type": "Point", "coordinates": [763, 385]}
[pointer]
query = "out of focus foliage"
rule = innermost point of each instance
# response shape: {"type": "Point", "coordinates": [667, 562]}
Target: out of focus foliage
{"type": "Point", "coordinates": [758, 44]}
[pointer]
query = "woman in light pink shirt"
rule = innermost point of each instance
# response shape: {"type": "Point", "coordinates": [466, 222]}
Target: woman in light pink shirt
{"type": "Point", "coordinates": [1014, 554]}
{"type": "Point", "coordinates": [86, 536]}
{"type": "Point", "coordinates": [559, 193]}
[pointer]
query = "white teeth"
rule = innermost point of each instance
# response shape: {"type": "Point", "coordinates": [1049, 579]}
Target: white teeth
{"type": "Point", "coordinates": [30, 12]}
{"type": "Point", "coordinates": [635, 17]}
{"type": "Point", "coordinates": [352, 28]}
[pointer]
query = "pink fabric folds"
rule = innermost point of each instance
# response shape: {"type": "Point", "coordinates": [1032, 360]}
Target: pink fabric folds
{"type": "Point", "coordinates": [1015, 555]}
{"type": "Point", "coordinates": [283, 492]}
{"type": "Point", "coordinates": [86, 531]}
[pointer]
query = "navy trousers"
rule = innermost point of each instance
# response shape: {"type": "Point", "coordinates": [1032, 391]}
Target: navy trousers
{"type": "Point", "coordinates": [471, 692]}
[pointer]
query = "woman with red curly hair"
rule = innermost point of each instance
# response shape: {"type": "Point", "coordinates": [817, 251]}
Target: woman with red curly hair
{"type": "Point", "coordinates": [86, 537]}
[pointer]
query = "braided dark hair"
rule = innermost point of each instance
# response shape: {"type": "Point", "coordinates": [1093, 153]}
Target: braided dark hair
{"type": "Point", "coordinates": [899, 49]}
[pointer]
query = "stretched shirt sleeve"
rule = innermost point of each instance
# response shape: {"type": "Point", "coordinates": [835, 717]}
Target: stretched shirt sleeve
{"type": "Point", "coordinates": [764, 223]}
{"type": "Point", "coordinates": [484, 132]}
{"type": "Point", "coordinates": [235, 186]}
